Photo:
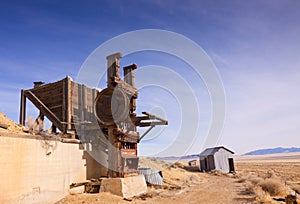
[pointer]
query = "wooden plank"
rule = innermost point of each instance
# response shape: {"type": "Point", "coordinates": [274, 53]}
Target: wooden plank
{"type": "Point", "coordinates": [57, 113]}
{"type": "Point", "coordinates": [84, 102]}
{"type": "Point", "coordinates": [54, 106]}
{"type": "Point", "coordinates": [48, 95]}
{"type": "Point", "coordinates": [113, 158]}
{"type": "Point", "coordinates": [22, 108]}
{"type": "Point", "coordinates": [47, 87]}
{"type": "Point", "coordinates": [64, 104]}
{"type": "Point", "coordinates": [49, 98]}
{"type": "Point", "coordinates": [68, 103]}
{"type": "Point", "coordinates": [51, 102]}
{"type": "Point", "coordinates": [127, 88]}
{"type": "Point", "coordinates": [44, 109]}
{"type": "Point", "coordinates": [52, 91]}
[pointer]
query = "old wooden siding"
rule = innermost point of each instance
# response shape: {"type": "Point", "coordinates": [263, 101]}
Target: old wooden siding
{"type": "Point", "coordinates": [221, 160]}
{"type": "Point", "coordinates": [82, 104]}
{"type": "Point", "coordinates": [72, 103]}
{"type": "Point", "coordinates": [52, 96]}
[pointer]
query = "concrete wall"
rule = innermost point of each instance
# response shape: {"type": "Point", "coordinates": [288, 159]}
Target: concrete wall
{"type": "Point", "coordinates": [38, 171]}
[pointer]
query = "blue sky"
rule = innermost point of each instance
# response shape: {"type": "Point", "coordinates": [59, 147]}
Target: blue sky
{"type": "Point", "coordinates": [254, 44]}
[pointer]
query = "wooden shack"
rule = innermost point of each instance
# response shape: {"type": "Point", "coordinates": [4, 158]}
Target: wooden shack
{"type": "Point", "coordinates": [217, 158]}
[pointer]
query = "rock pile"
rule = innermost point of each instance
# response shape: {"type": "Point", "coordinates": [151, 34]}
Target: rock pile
{"type": "Point", "coordinates": [8, 124]}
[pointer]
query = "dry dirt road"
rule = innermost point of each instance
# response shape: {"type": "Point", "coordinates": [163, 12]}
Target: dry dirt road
{"type": "Point", "coordinates": [207, 189]}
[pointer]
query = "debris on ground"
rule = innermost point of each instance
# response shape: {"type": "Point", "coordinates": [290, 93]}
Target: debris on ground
{"type": "Point", "coordinates": [9, 125]}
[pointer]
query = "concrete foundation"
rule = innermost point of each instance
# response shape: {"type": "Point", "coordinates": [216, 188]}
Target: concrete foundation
{"type": "Point", "coordinates": [40, 171]}
{"type": "Point", "coordinates": [125, 187]}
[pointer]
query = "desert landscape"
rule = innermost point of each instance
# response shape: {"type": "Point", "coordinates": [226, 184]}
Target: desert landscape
{"type": "Point", "coordinates": [151, 101]}
{"type": "Point", "coordinates": [258, 179]}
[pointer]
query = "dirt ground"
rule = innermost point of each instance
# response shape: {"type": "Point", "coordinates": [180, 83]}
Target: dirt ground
{"type": "Point", "coordinates": [182, 185]}
{"type": "Point", "coordinates": [12, 127]}
{"type": "Point", "coordinates": [216, 189]}
{"type": "Point", "coordinates": [185, 184]}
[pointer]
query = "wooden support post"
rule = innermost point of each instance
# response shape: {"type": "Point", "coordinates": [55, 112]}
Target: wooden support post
{"type": "Point", "coordinates": [68, 108]}
{"type": "Point", "coordinates": [113, 69]}
{"type": "Point", "coordinates": [44, 109]}
{"type": "Point", "coordinates": [53, 129]}
{"type": "Point", "coordinates": [39, 122]}
{"type": "Point", "coordinates": [129, 79]}
{"type": "Point", "coordinates": [129, 74]}
{"type": "Point", "coordinates": [113, 154]}
{"type": "Point", "coordinates": [22, 108]}
{"type": "Point", "coordinates": [64, 105]}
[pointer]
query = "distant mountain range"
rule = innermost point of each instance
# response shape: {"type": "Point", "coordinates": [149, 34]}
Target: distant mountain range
{"type": "Point", "coordinates": [273, 151]}
{"type": "Point", "coordinates": [277, 150]}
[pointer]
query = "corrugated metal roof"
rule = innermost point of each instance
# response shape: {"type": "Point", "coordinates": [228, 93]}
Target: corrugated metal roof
{"type": "Point", "coordinates": [213, 150]}
{"type": "Point", "coordinates": [152, 176]}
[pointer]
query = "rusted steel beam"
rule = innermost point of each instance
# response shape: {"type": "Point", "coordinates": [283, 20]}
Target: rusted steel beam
{"type": "Point", "coordinates": [154, 117]}
{"type": "Point", "coordinates": [146, 124]}
{"type": "Point", "coordinates": [145, 133]}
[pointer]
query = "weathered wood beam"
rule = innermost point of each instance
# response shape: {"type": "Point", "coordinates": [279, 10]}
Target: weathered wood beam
{"type": "Point", "coordinates": [127, 88]}
{"type": "Point", "coordinates": [22, 108]}
{"type": "Point", "coordinates": [44, 109]}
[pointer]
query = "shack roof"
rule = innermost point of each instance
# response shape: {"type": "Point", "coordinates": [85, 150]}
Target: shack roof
{"type": "Point", "coordinates": [213, 150]}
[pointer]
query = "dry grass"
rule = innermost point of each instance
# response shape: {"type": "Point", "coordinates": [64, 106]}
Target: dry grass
{"type": "Point", "coordinates": [260, 195]}
{"type": "Point", "coordinates": [263, 189]}
{"type": "Point", "coordinates": [273, 186]}
{"type": "Point", "coordinates": [295, 187]}
{"type": "Point", "coordinates": [254, 179]}
{"type": "Point", "coordinates": [286, 171]}
{"type": "Point", "coordinates": [266, 180]}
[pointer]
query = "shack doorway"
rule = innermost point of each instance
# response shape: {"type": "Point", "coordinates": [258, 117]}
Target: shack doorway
{"type": "Point", "coordinates": [231, 165]}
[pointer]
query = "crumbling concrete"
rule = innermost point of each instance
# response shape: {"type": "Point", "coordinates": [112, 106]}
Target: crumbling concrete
{"type": "Point", "coordinates": [125, 187]}
{"type": "Point", "coordinates": [38, 171]}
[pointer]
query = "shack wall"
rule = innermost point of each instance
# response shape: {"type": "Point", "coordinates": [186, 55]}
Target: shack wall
{"type": "Point", "coordinates": [221, 160]}
{"type": "Point", "coordinates": [34, 170]}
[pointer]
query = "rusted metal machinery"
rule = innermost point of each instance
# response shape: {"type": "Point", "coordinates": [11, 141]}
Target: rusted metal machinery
{"type": "Point", "coordinates": [78, 110]}
{"type": "Point", "coordinates": [115, 108]}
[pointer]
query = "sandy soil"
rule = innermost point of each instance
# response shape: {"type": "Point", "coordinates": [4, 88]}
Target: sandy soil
{"type": "Point", "coordinates": [191, 186]}
{"type": "Point", "coordinates": [182, 185]}
{"type": "Point", "coordinates": [12, 126]}
{"type": "Point", "coordinates": [218, 189]}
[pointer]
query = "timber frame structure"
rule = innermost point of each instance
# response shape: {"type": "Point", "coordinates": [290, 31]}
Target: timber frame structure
{"type": "Point", "coordinates": [65, 103]}
{"type": "Point", "coordinates": [115, 111]}
{"type": "Point", "coordinates": [107, 116]}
